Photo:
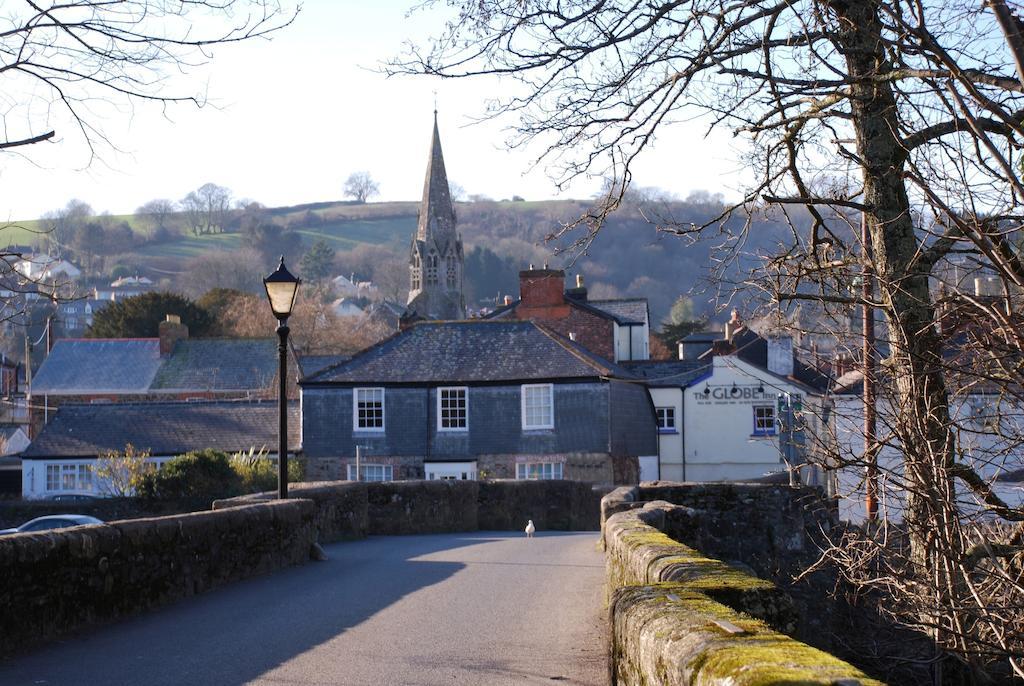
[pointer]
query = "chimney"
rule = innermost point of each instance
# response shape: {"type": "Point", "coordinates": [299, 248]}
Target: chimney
{"type": "Point", "coordinates": [780, 355]}
{"type": "Point", "coordinates": [733, 325]}
{"type": "Point", "coordinates": [580, 292]}
{"type": "Point", "coordinates": [541, 288]}
{"type": "Point", "coordinates": [171, 330]}
{"type": "Point", "coordinates": [508, 299]}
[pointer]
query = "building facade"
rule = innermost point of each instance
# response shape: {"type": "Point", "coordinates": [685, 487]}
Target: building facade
{"type": "Point", "coordinates": [476, 399]}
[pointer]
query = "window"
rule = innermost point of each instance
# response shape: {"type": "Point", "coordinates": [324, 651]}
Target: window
{"type": "Point", "coordinates": [372, 472]}
{"type": "Point", "coordinates": [368, 409]}
{"type": "Point", "coordinates": [666, 420]}
{"type": "Point", "coordinates": [432, 260]}
{"type": "Point", "coordinates": [538, 406]}
{"type": "Point", "coordinates": [53, 477]}
{"type": "Point", "coordinates": [453, 273]}
{"type": "Point", "coordinates": [539, 470]}
{"type": "Point", "coordinates": [69, 477]}
{"type": "Point", "coordinates": [452, 409]}
{"type": "Point", "coordinates": [415, 284]}
{"type": "Point", "coordinates": [764, 420]}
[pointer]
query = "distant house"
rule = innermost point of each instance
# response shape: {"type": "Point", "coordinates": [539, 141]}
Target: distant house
{"type": "Point", "coordinates": [350, 287]}
{"type": "Point", "coordinates": [62, 457]}
{"type": "Point", "coordinates": [76, 316]}
{"type": "Point", "coordinates": [171, 367]}
{"type": "Point", "coordinates": [469, 399]}
{"type": "Point", "coordinates": [124, 287]}
{"type": "Point", "coordinates": [43, 267]}
{"type": "Point", "coordinates": [345, 307]}
{"type": "Point", "coordinates": [616, 330]}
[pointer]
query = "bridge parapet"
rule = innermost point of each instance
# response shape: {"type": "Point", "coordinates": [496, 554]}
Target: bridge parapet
{"type": "Point", "coordinates": [681, 617]}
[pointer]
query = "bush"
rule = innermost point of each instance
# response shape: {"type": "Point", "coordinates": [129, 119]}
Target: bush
{"type": "Point", "coordinates": [202, 474]}
{"type": "Point", "coordinates": [258, 473]}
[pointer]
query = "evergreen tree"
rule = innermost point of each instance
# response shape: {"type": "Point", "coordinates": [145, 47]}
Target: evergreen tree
{"type": "Point", "coordinates": [318, 262]}
{"type": "Point", "coordinates": [140, 316]}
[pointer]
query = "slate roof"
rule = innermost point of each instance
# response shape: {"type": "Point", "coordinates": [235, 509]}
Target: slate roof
{"type": "Point", "coordinates": [218, 364]}
{"type": "Point", "coordinates": [668, 373]}
{"type": "Point", "coordinates": [753, 348]}
{"type": "Point", "coordinates": [625, 310]}
{"type": "Point", "coordinates": [311, 364]}
{"type": "Point", "coordinates": [162, 428]}
{"type": "Point", "coordinates": [468, 352]}
{"type": "Point", "coordinates": [80, 366]}
{"type": "Point", "coordinates": [123, 366]}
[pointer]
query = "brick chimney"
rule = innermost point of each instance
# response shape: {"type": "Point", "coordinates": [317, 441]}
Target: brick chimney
{"type": "Point", "coordinates": [734, 324]}
{"type": "Point", "coordinates": [722, 346]}
{"type": "Point", "coordinates": [542, 294]}
{"type": "Point", "coordinates": [171, 330]}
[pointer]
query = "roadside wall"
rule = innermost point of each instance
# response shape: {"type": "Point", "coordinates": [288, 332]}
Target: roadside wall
{"type": "Point", "coordinates": [680, 617]}
{"type": "Point", "coordinates": [347, 510]}
{"type": "Point", "coordinates": [57, 581]}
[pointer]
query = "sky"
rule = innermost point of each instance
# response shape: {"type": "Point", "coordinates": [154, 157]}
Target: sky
{"type": "Point", "coordinates": [290, 118]}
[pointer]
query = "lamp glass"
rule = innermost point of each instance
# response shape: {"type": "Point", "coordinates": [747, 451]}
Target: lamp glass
{"type": "Point", "coordinates": [281, 287]}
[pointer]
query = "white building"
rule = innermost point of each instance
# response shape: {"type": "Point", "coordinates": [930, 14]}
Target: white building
{"type": "Point", "coordinates": [43, 267]}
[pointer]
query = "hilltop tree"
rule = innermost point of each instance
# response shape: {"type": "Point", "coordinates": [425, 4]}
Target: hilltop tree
{"type": "Point", "coordinates": [206, 208]}
{"type": "Point", "coordinates": [919, 101]}
{"type": "Point", "coordinates": [361, 186]}
{"type": "Point", "coordinates": [139, 316]}
{"type": "Point", "coordinates": [61, 225]}
{"type": "Point", "coordinates": [158, 212]}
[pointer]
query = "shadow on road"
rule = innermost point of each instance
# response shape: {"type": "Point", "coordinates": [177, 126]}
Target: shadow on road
{"type": "Point", "coordinates": [235, 634]}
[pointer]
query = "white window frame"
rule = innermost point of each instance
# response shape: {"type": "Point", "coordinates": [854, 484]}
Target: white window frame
{"type": "Point", "coordinates": [68, 477]}
{"type": "Point", "coordinates": [523, 392]}
{"type": "Point", "coordinates": [355, 410]}
{"type": "Point", "coordinates": [387, 472]}
{"type": "Point", "coordinates": [662, 414]}
{"type": "Point", "coordinates": [771, 428]}
{"type": "Point", "coordinates": [440, 414]}
{"type": "Point", "coordinates": [540, 471]}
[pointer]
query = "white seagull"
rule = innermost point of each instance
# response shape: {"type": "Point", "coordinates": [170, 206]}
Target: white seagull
{"type": "Point", "coordinates": [530, 528]}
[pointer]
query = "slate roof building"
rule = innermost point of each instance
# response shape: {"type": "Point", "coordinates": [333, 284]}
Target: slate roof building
{"type": "Point", "coordinates": [171, 367]}
{"type": "Point", "coordinates": [62, 457]}
{"type": "Point", "coordinates": [436, 254]}
{"type": "Point", "coordinates": [462, 400]}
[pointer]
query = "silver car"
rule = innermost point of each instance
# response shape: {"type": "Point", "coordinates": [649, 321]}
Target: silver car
{"type": "Point", "coordinates": [60, 521]}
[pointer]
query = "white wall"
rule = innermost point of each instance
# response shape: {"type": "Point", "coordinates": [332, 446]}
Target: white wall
{"type": "Point", "coordinates": [670, 445]}
{"type": "Point", "coordinates": [720, 441]}
{"type": "Point", "coordinates": [33, 478]}
{"type": "Point", "coordinates": [990, 429]}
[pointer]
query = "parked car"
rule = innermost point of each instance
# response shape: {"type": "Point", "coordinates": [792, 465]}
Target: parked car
{"type": "Point", "coordinates": [61, 521]}
{"type": "Point", "coordinates": [72, 498]}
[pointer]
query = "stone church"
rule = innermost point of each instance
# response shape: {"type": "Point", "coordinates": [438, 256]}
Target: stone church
{"type": "Point", "coordinates": [435, 256]}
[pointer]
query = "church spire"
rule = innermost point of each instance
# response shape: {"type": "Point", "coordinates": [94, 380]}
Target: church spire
{"type": "Point", "coordinates": [437, 216]}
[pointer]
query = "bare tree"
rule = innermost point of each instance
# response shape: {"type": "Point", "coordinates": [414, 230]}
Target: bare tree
{"type": "Point", "coordinates": [206, 208]}
{"type": "Point", "coordinates": [915, 110]}
{"type": "Point", "coordinates": [361, 186]}
{"type": "Point", "coordinates": [68, 67]}
{"type": "Point", "coordinates": [158, 211]}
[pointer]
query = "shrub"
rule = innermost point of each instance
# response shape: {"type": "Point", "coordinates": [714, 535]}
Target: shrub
{"type": "Point", "coordinates": [202, 474]}
{"type": "Point", "coordinates": [258, 472]}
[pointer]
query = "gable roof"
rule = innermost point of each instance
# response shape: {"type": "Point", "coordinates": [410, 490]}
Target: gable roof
{"type": "Point", "coordinates": [467, 352]}
{"type": "Point", "coordinates": [218, 364]}
{"type": "Point", "coordinates": [623, 310]}
{"type": "Point", "coordinates": [753, 348]}
{"type": "Point", "coordinates": [162, 428]}
{"type": "Point", "coordinates": [79, 366]}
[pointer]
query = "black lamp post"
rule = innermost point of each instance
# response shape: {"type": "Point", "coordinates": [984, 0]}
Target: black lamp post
{"type": "Point", "coordinates": [281, 289]}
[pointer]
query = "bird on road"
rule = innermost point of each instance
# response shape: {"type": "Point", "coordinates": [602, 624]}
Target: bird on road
{"type": "Point", "coordinates": [530, 528]}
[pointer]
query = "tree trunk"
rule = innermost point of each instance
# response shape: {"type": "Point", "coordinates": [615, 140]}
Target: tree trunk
{"type": "Point", "coordinates": [915, 357]}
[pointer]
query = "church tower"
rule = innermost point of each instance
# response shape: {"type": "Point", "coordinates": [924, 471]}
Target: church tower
{"type": "Point", "coordinates": [436, 260]}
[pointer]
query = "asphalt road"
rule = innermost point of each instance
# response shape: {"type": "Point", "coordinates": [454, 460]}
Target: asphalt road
{"type": "Point", "coordinates": [477, 608]}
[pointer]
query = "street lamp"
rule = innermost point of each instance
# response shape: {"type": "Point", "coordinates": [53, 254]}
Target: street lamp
{"type": "Point", "coordinates": [282, 287]}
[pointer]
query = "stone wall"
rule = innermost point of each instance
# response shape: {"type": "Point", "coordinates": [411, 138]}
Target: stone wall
{"type": "Point", "coordinates": [681, 617]}
{"type": "Point", "coordinates": [346, 509]}
{"type": "Point", "coordinates": [57, 581]}
{"type": "Point", "coordinates": [14, 513]}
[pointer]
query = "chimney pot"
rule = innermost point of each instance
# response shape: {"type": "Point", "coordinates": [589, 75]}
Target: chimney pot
{"type": "Point", "coordinates": [579, 281]}
{"type": "Point", "coordinates": [508, 299]}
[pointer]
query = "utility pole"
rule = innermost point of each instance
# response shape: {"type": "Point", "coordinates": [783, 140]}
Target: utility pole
{"type": "Point", "coordinates": [359, 459]}
{"type": "Point", "coordinates": [869, 368]}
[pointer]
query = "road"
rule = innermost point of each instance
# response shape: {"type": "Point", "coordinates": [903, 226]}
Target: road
{"type": "Point", "coordinates": [474, 608]}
